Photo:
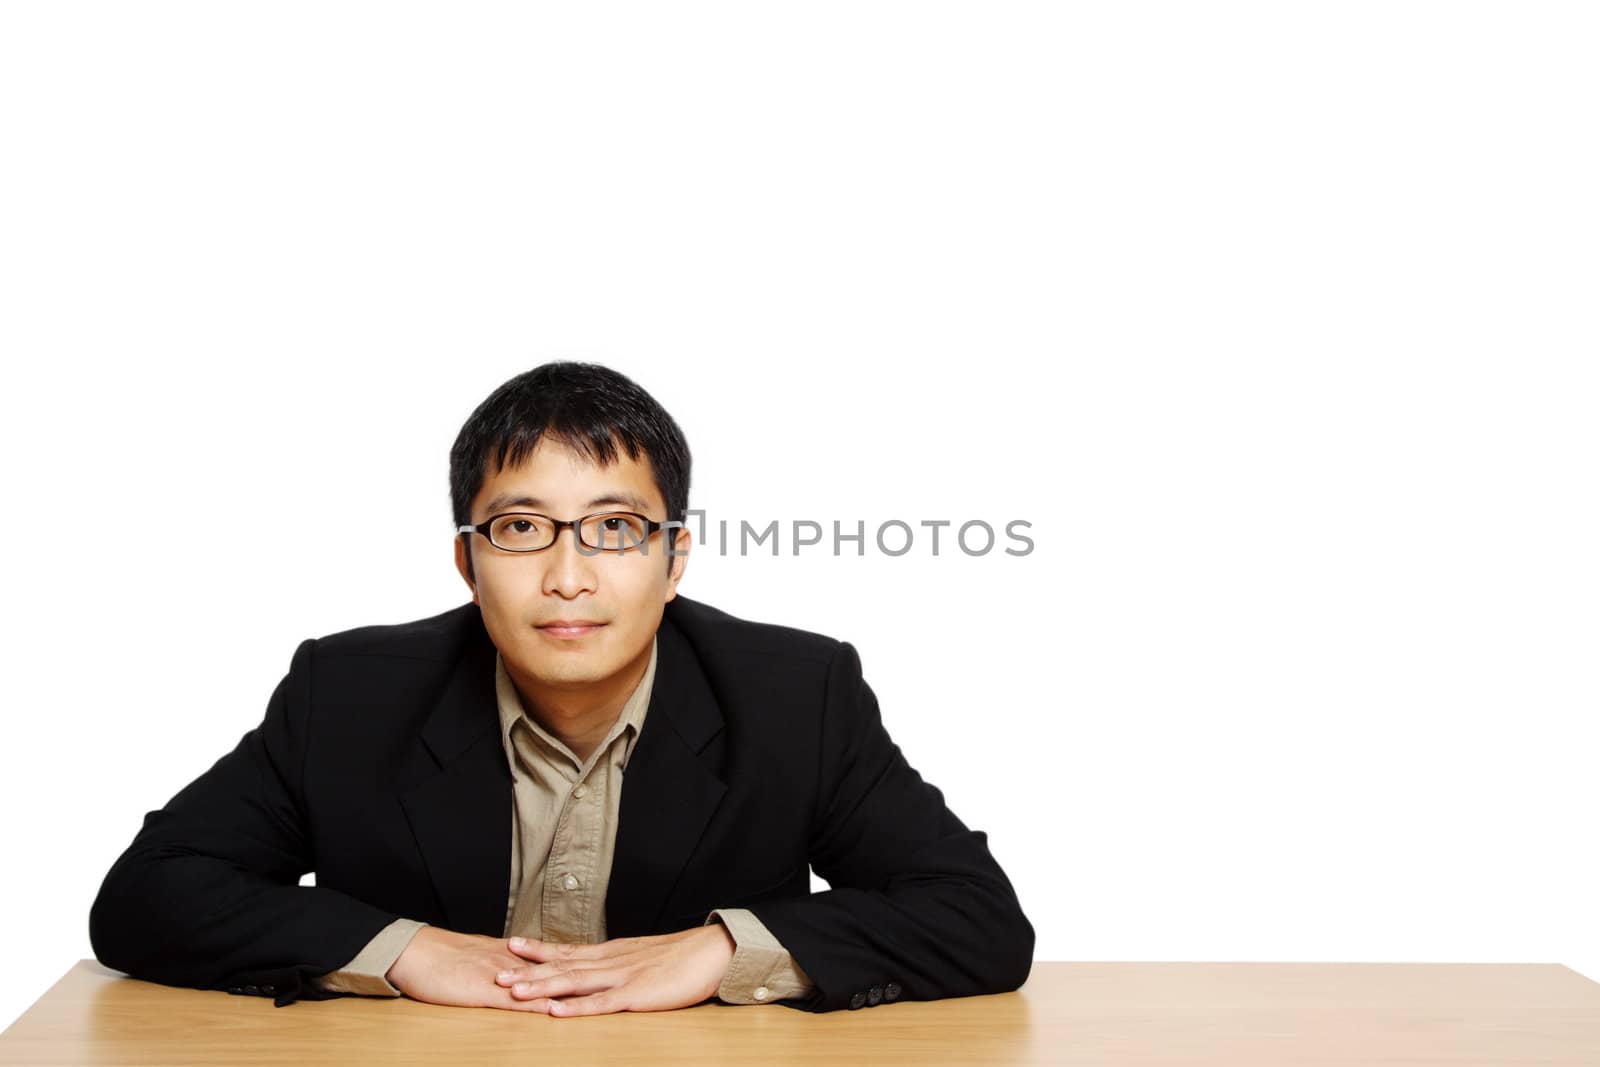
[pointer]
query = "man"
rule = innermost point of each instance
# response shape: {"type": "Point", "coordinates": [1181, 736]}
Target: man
{"type": "Point", "coordinates": [579, 793]}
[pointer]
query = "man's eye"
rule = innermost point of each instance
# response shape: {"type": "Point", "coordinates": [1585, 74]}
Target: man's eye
{"type": "Point", "coordinates": [520, 525]}
{"type": "Point", "coordinates": [612, 518]}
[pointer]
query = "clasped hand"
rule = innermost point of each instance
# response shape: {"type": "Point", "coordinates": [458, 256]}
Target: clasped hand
{"type": "Point", "coordinates": [657, 973]}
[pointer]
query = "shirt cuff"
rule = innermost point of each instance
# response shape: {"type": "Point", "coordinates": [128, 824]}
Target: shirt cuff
{"type": "Point", "coordinates": [762, 970]}
{"type": "Point", "coordinates": [367, 974]}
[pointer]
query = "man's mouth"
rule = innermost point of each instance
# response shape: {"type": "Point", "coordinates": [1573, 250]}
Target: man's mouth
{"type": "Point", "coordinates": [570, 627]}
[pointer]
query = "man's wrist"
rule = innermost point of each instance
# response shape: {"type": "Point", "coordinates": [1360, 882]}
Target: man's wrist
{"type": "Point", "coordinates": [762, 971]}
{"type": "Point", "coordinates": [415, 947]}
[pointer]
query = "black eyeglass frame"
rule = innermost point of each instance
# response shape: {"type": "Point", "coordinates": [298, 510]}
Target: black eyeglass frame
{"type": "Point", "coordinates": [650, 527]}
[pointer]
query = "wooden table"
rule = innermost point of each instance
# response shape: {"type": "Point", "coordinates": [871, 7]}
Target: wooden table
{"type": "Point", "coordinates": [1237, 1014]}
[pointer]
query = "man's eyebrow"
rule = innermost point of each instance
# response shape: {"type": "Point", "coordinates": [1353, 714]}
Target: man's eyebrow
{"type": "Point", "coordinates": [611, 496]}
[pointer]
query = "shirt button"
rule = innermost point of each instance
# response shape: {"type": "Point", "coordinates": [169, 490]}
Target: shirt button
{"type": "Point", "coordinates": [580, 791]}
{"type": "Point", "coordinates": [570, 881]}
{"type": "Point", "coordinates": [762, 992]}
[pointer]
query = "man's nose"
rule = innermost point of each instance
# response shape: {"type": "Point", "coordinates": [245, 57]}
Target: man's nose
{"type": "Point", "coordinates": [568, 569]}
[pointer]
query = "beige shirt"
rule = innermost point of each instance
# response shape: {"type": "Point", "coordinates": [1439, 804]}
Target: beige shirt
{"type": "Point", "coordinates": [562, 841]}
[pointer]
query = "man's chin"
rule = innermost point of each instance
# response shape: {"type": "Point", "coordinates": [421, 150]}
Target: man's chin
{"type": "Point", "coordinates": [567, 675]}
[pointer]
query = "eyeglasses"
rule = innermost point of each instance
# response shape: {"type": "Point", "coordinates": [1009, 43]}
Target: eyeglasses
{"type": "Point", "coordinates": [606, 531]}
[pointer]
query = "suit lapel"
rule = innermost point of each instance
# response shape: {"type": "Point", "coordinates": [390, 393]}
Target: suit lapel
{"type": "Point", "coordinates": [669, 789]}
{"type": "Point", "coordinates": [459, 800]}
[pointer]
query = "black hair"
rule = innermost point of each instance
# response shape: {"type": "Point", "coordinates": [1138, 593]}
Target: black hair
{"type": "Point", "coordinates": [587, 407]}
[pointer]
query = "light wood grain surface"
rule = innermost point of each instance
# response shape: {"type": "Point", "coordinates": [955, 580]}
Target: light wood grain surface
{"type": "Point", "coordinates": [1238, 1014]}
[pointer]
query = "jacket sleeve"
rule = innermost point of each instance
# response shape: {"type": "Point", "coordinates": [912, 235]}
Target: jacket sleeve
{"type": "Point", "coordinates": [208, 893]}
{"type": "Point", "coordinates": [918, 908]}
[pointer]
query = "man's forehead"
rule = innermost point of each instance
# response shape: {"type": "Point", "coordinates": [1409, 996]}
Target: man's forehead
{"type": "Point", "coordinates": [556, 475]}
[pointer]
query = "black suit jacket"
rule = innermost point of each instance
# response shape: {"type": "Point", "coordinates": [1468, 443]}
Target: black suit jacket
{"type": "Point", "coordinates": [379, 765]}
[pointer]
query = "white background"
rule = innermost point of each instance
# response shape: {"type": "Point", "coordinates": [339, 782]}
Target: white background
{"type": "Point", "coordinates": [1277, 322]}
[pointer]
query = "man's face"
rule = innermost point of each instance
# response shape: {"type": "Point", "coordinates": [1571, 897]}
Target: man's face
{"type": "Point", "coordinates": [520, 594]}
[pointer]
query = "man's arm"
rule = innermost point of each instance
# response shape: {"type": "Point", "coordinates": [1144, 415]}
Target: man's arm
{"type": "Point", "coordinates": [919, 909]}
{"type": "Point", "coordinates": [208, 893]}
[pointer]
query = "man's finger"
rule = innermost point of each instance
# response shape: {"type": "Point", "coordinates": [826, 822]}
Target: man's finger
{"type": "Point", "coordinates": [528, 972]}
{"type": "Point", "coordinates": [538, 1005]}
{"type": "Point", "coordinates": [506, 1000]}
{"type": "Point", "coordinates": [593, 1004]}
{"type": "Point", "coordinates": [569, 984]}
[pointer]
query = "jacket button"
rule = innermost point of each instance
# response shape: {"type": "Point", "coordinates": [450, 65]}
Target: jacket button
{"type": "Point", "coordinates": [858, 1000]}
{"type": "Point", "coordinates": [874, 996]}
{"type": "Point", "coordinates": [269, 989]}
{"type": "Point", "coordinates": [251, 990]}
{"type": "Point", "coordinates": [891, 991]}
{"type": "Point", "coordinates": [235, 989]}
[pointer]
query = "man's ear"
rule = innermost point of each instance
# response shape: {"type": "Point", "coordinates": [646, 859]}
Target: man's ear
{"type": "Point", "coordinates": [464, 567]}
{"type": "Point", "coordinates": [681, 540]}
